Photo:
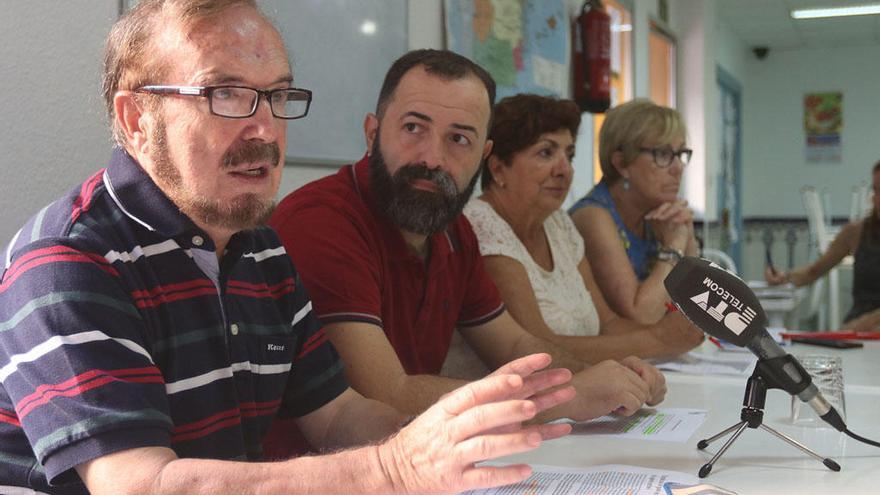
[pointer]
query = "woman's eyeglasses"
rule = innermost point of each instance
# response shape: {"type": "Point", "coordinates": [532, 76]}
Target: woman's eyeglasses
{"type": "Point", "coordinates": [663, 156]}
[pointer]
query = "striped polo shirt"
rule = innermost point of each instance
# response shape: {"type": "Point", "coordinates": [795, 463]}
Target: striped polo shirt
{"type": "Point", "coordinates": [119, 329]}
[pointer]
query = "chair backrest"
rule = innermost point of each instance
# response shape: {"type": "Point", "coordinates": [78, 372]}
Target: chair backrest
{"type": "Point", "coordinates": [822, 237]}
{"type": "Point", "coordinates": [721, 259]}
{"type": "Point", "coordinates": [815, 217]}
{"type": "Point", "coordinates": [860, 202]}
{"type": "Point", "coordinates": [867, 199]}
{"type": "Point", "coordinates": [815, 304]}
{"type": "Point", "coordinates": [826, 206]}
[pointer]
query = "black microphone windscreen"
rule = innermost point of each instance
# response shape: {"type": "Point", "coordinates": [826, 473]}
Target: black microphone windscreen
{"type": "Point", "coordinates": [715, 300]}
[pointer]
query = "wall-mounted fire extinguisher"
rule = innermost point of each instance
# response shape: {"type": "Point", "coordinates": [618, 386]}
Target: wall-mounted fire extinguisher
{"type": "Point", "coordinates": [591, 58]}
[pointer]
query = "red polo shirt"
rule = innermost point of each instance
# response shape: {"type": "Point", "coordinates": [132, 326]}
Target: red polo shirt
{"type": "Point", "coordinates": [357, 267]}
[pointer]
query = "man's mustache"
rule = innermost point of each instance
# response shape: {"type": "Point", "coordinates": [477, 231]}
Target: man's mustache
{"type": "Point", "coordinates": [413, 171]}
{"type": "Point", "coordinates": [250, 152]}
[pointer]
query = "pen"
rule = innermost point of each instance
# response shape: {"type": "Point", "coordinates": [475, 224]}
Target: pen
{"type": "Point", "coordinates": [768, 260]}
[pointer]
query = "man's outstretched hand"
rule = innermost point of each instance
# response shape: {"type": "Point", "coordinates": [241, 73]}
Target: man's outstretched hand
{"type": "Point", "coordinates": [438, 450]}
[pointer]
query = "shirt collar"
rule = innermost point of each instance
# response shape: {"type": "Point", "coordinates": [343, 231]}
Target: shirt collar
{"type": "Point", "coordinates": [142, 201]}
{"type": "Point", "coordinates": [442, 245]}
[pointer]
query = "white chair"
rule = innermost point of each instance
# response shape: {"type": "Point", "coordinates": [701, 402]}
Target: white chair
{"type": "Point", "coordinates": [822, 235]}
{"type": "Point", "coordinates": [815, 305]}
{"type": "Point", "coordinates": [721, 259]}
{"type": "Point", "coordinates": [859, 203]}
{"type": "Point", "coordinates": [817, 217]}
{"type": "Point", "coordinates": [826, 208]}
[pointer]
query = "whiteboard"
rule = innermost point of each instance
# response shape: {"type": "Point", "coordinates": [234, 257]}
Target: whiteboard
{"type": "Point", "coordinates": [334, 54]}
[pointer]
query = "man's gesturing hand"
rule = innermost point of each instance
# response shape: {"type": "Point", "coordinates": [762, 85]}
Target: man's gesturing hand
{"type": "Point", "coordinates": [436, 453]}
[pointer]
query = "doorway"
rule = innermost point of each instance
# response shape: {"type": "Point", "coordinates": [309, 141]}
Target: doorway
{"type": "Point", "coordinates": [730, 164]}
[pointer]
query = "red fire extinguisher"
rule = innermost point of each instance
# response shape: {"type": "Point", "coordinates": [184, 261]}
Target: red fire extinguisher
{"type": "Point", "coordinates": [591, 58]}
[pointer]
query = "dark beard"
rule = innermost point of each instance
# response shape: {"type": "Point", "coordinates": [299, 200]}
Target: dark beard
{"type": "Point", "coordinates": [246, 211]}
{"type": "Point", "coordinates": [414, 210]}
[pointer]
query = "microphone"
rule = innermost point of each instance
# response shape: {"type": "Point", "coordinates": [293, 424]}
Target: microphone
{"type": "Point", "coordinates": [723, 306]}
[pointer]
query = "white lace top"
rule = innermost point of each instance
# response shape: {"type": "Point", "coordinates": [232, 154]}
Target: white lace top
{"type": "Point", "coordinates": [565, 302]}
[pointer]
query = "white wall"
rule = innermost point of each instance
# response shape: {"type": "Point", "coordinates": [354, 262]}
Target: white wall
{"type": "Point", "coordinates": [731, 53]}
{"type": "Point", "coordinates": [692, 22]}
{"type": "Point", "coordinates": [425, 24]}
{"type": "Point", "coordinates": [774, 164]}
{"type": "Point", "coordinates": [425, 31]}
{"type": "Point", "coordinates": [53, 133]}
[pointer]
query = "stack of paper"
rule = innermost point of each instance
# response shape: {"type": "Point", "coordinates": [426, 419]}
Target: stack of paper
{"type": "Point", "coordinates": [661, 424]}
{"type": "Point", "coordinates": [698, 363]}
{"type": "Point", "coordinates": [607, 479]}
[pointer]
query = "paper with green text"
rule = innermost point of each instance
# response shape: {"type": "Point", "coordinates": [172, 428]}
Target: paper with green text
{"type": "Point", "coordinates": [661, 424]}
{"type": "Point", "coordinates": [612, 479]}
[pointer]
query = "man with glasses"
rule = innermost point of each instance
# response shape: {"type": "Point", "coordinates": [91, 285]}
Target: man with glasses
{"type": "Point", "coordinates": [150, 327]}
{"type": "Point", "coordinates": [635, 227]}
{"type": "Point", "coordinates": [394, 267]}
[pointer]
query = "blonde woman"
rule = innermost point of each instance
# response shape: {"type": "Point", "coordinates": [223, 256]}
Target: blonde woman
{"type": "Point", "coordinates": [634, 224]}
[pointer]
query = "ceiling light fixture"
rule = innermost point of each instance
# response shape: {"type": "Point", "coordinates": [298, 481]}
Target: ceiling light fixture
{"type": "Point", "coordinates": [817, 13]}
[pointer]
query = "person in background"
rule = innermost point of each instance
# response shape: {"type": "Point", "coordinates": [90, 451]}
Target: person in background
{"type": "Point", "coordinates": [862, 240]}
{"type": "Point", "coordinates": [152, 326]}
{"type": "Point", "coordinates": [534, 253]}
{"type": "Point", "coordinates": [393, 267]}
{"type": "Point", "coordinates": [634, 225]}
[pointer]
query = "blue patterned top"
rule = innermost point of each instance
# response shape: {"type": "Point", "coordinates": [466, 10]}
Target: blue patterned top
{"type": "Point", "coordinates": [641, 251]}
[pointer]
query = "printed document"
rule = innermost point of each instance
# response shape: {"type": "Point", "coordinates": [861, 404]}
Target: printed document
{"type": "Point", "coordinates": [612, 479]}
{"type": "Point", "coordinates": [700, 363]}
{"type": "Point", "coordinates": [661, 424]}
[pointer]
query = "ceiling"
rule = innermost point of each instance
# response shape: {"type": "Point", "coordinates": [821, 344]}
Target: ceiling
{"type": "Point", "coordinates": [768, 23]}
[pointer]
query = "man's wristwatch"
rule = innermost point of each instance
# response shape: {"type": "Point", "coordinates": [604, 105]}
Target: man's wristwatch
{"type": "Point", "coordinates": [669, 254]}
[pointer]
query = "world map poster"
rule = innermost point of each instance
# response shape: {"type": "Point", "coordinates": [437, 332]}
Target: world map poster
{"type": "Point", "coordinates": [523, 44]}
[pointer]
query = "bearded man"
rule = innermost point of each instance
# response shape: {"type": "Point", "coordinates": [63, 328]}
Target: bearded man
{"type": "Point", "coordinates": [393, 267]}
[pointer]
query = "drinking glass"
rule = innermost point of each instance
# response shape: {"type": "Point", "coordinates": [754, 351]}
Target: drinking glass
{"type": "Point", "coordinates": [827, 374]}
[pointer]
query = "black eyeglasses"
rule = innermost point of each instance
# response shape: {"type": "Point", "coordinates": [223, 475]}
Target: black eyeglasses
{"type": "Point", "coordinates": [663, 156]}
{"type": "Point", "coordinates": [240, 102]}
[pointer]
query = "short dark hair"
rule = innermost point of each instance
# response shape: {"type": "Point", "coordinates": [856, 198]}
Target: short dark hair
{"type": "Point", "coordinates": [520, 121]}
{"type": "Point", "coordinates": [442, 63]}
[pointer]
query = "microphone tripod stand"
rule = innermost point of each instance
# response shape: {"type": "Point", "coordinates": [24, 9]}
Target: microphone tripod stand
{"type": "Point", "coordinates": [752, 416]}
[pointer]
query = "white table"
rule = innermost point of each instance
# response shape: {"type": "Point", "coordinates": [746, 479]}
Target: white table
{"type": "Point", "coordinates": [758, 462]}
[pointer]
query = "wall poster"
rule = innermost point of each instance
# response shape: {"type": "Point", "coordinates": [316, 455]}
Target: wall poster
{"type": "Point", "coordinates": [523, 44]}
{"type": "Point", "coordinates": [823, 124]}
